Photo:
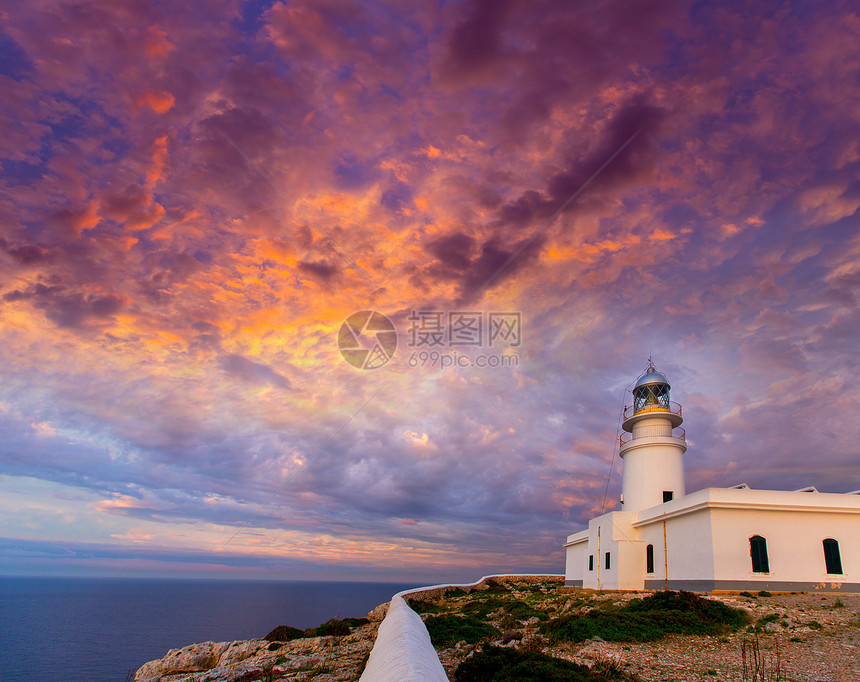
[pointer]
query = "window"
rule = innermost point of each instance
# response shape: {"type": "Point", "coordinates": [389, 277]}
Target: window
{"type": "Point", "coordinates": [649, 559]}
{"type": "Point", "coordinates": [590, 562]}
{"type": "Point", "coordinates": [607, 561]}
{"type": "Point", "coordinates": [758, 552]}
{"type": "Point", "coordinates": [668, 495]}
{"type": "Point", "coordinates": [831, 556]}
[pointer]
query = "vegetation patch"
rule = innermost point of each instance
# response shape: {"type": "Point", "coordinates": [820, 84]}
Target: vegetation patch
{"type": "Point", "coordinates": [764, 620]}
{"type": "Point", "coordinates": [446, 630]}
{"type": "Point", "coordinates": [644, 620]}
{"type": "Point", "coordinates": [284, 633]}
{"type": "Point", "coordinates": [497, 664]}
{"type": "Point", "coordinates": [333, 627]}
{"type": "Point", "coordinates": [356, 622]}
{"type": "Point", "coordinates": [425, 606]}
{"type": "Point", "coordinates": [516, 608]}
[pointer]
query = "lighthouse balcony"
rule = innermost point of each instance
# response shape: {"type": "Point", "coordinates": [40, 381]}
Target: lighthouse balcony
{"type": "Point", "coordinates": [638, 412]}
{"type": "Point", "coordinates": [670, 407]}
{"type": "Point", "coordinates": [654, 432]}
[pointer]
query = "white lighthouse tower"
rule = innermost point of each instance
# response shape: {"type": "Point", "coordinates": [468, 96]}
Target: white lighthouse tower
{"type": "Point", "coordinates": [653, 451]}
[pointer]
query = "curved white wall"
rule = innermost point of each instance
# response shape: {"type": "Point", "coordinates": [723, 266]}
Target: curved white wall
{"type": "Point", "coordinates": [403, 652]}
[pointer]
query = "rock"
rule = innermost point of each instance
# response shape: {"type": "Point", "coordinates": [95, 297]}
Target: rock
{"type": "Point", "coordinates": [533, 620]}
{"type": "Point", "coordinates": [298, 663]}
{"type": "Point", "coordinates": [378, 613]}
{"type": "Point", "coordinates": [239, 651]}
{"type": "Point", "coordinates": [189, 659]}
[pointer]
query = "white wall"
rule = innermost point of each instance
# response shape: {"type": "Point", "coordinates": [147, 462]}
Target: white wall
{"type": "Point", "coordinates": [794, 544]}
{"type": "Point", "coordinates": [618, 537]}
{"type": "Point", "coordinates": [402, 651]}
{"type": "Point", "coordinates": [576, 562]}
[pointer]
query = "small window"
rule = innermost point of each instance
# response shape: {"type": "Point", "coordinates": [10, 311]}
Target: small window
{"type": "Point", "coordinates": [607, 561]}
{"type": "Point", "coordinates": [831, 557]}
{"type": "Point", "coordinates": [668, 495]}
{"type": "Point", "coordinates": [758, 552]}
{"type": "Point", "coordinates": [649, 559]}
{"type": "Point", "coordinates": [590, 562]}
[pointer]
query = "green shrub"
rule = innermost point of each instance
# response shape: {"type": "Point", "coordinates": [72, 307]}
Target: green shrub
{"type": "Point", "coordinates": [284, 633]}
{"type": "Point", "coordinates": [333, 627]}
{"type": "Point", "coordinates": [356, 622]}
{"type": "Point", "coordinates": [748, 594]}
{"type": "Point", "coordinates": [644, 620]}
{"type": "Point", "coordinates": [497, 664]}
{"type": "Point", "coordinates": [764, 593]}
{"type": "Point", "coordinates": [838, 604]}
{"type": "Point", "coordinates": [446, 630]}
{"type": "Point", "coordinates": [764, 620]}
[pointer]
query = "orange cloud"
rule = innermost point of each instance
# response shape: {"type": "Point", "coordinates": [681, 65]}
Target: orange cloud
{"type": "Point", "coordinates": [160, 101]}
{"type": "Point", "coordinates": [155, 43]}
{"type": "Point", "coordinates": [159, 162]}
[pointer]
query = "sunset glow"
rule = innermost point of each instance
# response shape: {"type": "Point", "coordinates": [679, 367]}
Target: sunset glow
{"type": "Point", "coordinates": [195, 196]}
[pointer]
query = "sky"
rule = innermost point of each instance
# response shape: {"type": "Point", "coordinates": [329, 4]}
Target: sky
{"type": "Point", "coordinates": [196, 198]}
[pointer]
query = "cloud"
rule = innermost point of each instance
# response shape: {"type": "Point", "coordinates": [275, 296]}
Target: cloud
{"type": "Point", "coordinates": [193, 203]}
{"type": "Point", "coordinates": [252, 372]}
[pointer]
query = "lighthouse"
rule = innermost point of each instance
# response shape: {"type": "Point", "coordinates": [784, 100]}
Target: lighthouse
{"type": "Point", "coordinates": [733, 539]}
{"type": "Point", "coordinates": [653, 445]}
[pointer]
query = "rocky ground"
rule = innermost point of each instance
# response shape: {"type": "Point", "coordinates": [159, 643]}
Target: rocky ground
{"type": "Point", "coordinates": [803, 637]}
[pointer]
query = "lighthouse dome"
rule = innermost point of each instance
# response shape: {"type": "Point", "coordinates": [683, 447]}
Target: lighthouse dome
{"type": "Point", "coordinates": [652, 376]}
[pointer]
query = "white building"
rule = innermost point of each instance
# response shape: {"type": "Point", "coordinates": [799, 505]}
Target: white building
{"type": "Point", "coordinates": [713, 539]}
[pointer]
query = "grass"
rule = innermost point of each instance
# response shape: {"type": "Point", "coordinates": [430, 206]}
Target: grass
{"type": "Point", "coordinates": [644, 620]}
{"type": "Point", "coordinates": [496, 664]}
{"type": "Point", "coordinates": [447, 630]}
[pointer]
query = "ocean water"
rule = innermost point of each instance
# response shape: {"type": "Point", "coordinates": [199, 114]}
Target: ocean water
{"type": "Point", "coordinates": [99, 629]}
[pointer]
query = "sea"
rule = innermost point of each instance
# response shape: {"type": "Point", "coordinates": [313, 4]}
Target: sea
{"type": "Point", "coordinates": [100, 629]}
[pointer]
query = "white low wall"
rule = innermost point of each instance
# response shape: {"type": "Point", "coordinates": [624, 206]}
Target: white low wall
{"type": "Point", "coordinates": [403, 651]}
